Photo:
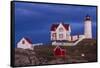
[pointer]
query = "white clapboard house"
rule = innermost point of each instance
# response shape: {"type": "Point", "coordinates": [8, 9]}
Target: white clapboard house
{"type": "Point", "coordinates": [60, 31]}
{"type": "Point", "coordinates": [25, 43]}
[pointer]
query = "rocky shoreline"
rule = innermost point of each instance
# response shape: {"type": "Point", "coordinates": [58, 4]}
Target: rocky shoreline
{"type": "Point", "coordinates": [43, 55]}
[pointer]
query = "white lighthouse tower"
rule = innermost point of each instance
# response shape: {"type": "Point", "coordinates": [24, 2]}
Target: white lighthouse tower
{"type": "Point", "coordinates": [88, 27]}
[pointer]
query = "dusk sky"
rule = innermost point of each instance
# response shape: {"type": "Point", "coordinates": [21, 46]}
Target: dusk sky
{"type": "Point", "coordinates": [34, 20]}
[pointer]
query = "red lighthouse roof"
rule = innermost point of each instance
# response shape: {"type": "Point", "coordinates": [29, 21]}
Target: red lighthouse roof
{"type": "Point", "coordinates": [55, 26]}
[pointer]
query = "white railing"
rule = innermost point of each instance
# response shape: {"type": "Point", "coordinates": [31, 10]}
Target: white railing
{"type": "Point", "coordinates": [68, 44]}
{"type": "Point", "coordinates": [80, 39]}
{"type": "Point", "coordinates": [37, 44]}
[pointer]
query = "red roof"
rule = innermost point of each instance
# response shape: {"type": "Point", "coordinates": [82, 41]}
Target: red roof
{"type": "Point", "coordinates": [66, 26]}
{"type": "Point", "coordinates": [27, 39]}
{"type": "Point", "coordinates": [54, 26]}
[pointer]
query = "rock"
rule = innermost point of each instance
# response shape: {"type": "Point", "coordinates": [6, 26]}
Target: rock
{"type": "Point", "coordinates": [25, 57]}
{"type": "Point", "coordinates": [21, 60]}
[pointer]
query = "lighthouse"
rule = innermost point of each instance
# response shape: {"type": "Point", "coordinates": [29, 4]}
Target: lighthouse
{"type": "Point", "coordinates": [88, 27]}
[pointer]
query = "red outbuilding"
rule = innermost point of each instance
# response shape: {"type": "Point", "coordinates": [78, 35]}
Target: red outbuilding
{"type": "Point", "coordinates": [59, 52]}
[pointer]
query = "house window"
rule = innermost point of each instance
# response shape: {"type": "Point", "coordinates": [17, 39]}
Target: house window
{"type": "Point", "coordinates": [61, 29]}
{"type": "Point", "coordinates": [23, 42]}
{"type": "Point", "coordinates": [54, 34]}
{"type": "Point", "coordinates": [60, 35]}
